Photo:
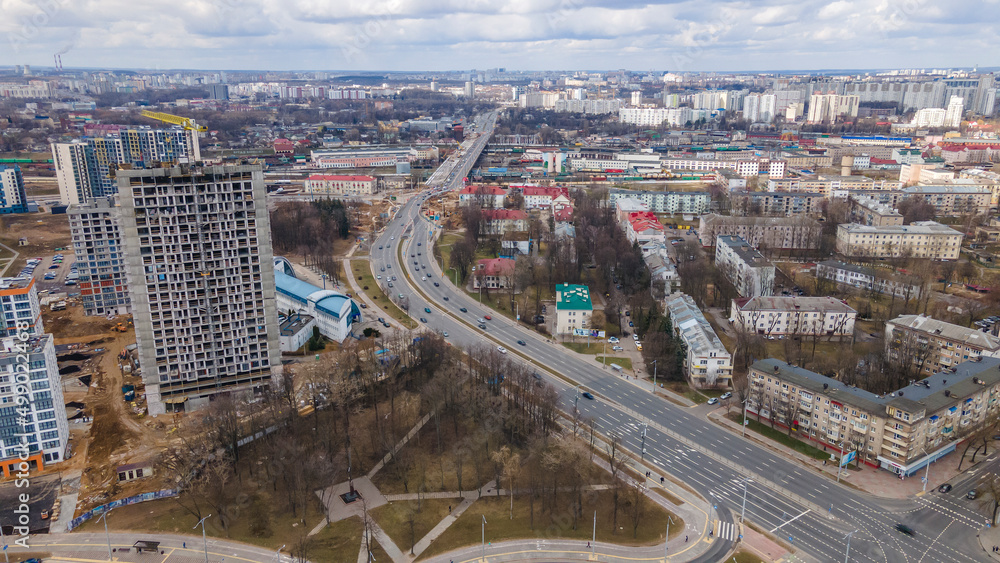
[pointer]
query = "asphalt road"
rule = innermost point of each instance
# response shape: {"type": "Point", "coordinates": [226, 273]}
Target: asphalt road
{"type": "Point", "coordinates": [808, 510]}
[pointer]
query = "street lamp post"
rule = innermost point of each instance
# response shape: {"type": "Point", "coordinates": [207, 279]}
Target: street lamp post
{"type": "Point", "coordinates": [277, 554]}
{"type": "Point", "coordinates": [593, 536]}
{"type": "Point", "coordinates": [642, 455]}
{"type": "Point", "coordinates": [743, 510]}
{"type": "Point", "coordinates": [484, 537]}
{"type": "Point", "coordinates": [666, 540]}
{"type": "Point", "coordinates": [324, 276]}
{"type": "Point", "coordinates": [654, 376]}
{"type": "Point", "coordinates": [203, 537]}
{"type": "Point", "coordinates": [106, 534]}
{"type": "Point", "coordinates": [746, 403]}
{"type": "Point", "coordinates": [576, 399]}
{"type": "Point", "coordinates": [847, 553]}
{"type": "Point", "coordinates": [840, 462]}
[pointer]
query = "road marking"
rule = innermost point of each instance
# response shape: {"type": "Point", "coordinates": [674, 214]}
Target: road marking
{"type": "Point", "coordinates": [725, 530]}
{"type": "Point", "coordinates": [790, 521]}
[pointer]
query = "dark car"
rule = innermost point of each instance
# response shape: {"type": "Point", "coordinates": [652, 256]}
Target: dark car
{"type": "Point", "coordinates": [482, 326]}
{"type": "Point", "coordinates": [445, 297]}
{"type": "Point", "coordinates": [423, 320]}
{"type": "Point", "coordinates": [363, 306]}
{"type": "Point", "coordinates": [522, 343]}
{"type": "Point", "coordinates": [464, 310]}
{"type": "Point", "coordinates": [905, 529]}
{"type": "Point", "coordinates": [380, 247]}
{"type": "Point", "coordinates": [537, 375]}
{"type": "Point", "coordinates": [436, 284]}
{"type": "Point", "coordinates": [971, 495]}
{"type": "Point", "coordinates": [418, 244]}
{"type": "Point", "coordinates": [587, 395]}
{"type": "Point", "coordinates": [427, 309]}
{"type": "Point", "coordinates": [946, 488]}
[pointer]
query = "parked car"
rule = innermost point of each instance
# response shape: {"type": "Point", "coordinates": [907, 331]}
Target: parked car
{"type": "Point", "coordinates": [713, 401]}
{"type": "Point", "coordinates": [617, 349]}
{"type": "Point", "coordinates": [613, 340]}
{"type": "Point", "coordinates": [726, 395]}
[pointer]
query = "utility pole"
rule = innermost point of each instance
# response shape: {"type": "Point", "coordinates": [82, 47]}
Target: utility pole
{"type": "Point", "coordinates": [593, 537]}
{"type": "Point", "coordinates": [847, 553]}
{"type": "Point", "coordinates": [840, 462]}
{"type": "Point", "coordinates": [666, 540]}
{"type": "Point", "coordinates": [106, 534]}
{"type": "Point", "coordinates": [654, 377]}
{"type": "Point", "coordinates": [203, 537]}
{"type": "Point", "coordinates": [576, 399]}
{"type": "Point", "coordinates": [642, 456]}
{"type": "Point", "coordinates": [743, 510]}
{"type": "Point", "coordinates": [745, 405]}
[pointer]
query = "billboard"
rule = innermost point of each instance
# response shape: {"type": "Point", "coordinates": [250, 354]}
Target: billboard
{"type": "Point", "coordinates": [590, 333]}
{"type": "Point", "coordinates": [847, 458]}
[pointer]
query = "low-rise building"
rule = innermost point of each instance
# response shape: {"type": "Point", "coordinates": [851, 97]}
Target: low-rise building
{"type": "Point", "coordinates": [486, 196]}
{"type": "Point", "coordinates": [541, 197]}
{"type": "Point", "coordinates": [794, 316]}
{"type": "Point", "coordinates": [294, 330]}
{"type": "Point", "coordinates": [763, 233]}
{"type": "Point", "coordinates": [921, 239]}
{"type": "Point", "coordinates": [707, 364]}
{"type": "Point", "coordinates": [494, 273]}
{"type": "Point", "coordinates": [643, 226]}
{"type": "Point", "coordinates": [865, 210]}
{"type": "Point", "coordinates": [744, 266]}
{"type": "Point", "coordinates": [869, 279]}
{"type": "Point", "coordinates": [777, 204]}
{"type": "Point", "coordinates": [500, 221]}
{"type": "Point", "coordinates": [573, 308]}
{"type": "Point", "coordinates": [666, 202]}
{"type": "Point", "coordinates": [931, 345]}
{"type": "Point", "coordinates": [40, 436]}
{"type": "Point", "coordinates": [334, 312]}
{"type": "Point", "coordinates": [332, 185]}
{"type": "Point", "coordinates": [900, 432]}
{"type": "Point", "coordinates": [953, 199]}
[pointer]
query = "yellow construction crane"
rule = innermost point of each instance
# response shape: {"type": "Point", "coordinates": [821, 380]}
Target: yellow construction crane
{"type": "Point", "coordinates": [184, 122]}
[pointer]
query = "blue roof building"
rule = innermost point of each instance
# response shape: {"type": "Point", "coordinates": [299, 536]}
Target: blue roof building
{"type": "Point", "coordinates": [335, 312]}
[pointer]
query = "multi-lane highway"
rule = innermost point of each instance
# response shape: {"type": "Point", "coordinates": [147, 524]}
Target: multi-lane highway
{"type": "Point", "coordinates": [805, 509]}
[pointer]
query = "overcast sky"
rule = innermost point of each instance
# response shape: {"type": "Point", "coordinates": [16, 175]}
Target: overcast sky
{"type": "Point", "coordinates": [687, 35]}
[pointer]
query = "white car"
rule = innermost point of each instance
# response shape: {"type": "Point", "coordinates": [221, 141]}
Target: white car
{"type": "Point", "coordinates": [635, 337]}
{"type": "Point", "coordinates": [423, 278]}
{"type": "Point", "coordinates": [480, 320]}
{"type": "Point", "coordinates": [617, 348]}
{"type": "Point", "coordinates": [613, 340]}
{"type": "Point", "coordinates": [726, 395]}
{"type": "Point", "coordinates": [501, 349]}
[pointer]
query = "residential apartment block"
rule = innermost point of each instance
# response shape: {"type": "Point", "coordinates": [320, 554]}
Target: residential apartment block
{"type": "Point", "coordinates": [500, 221]}
{"type": "Point", "coordinates": [494, 273]}
{"type": "Point", "coordinates": [19, 304]}
{"type": "Point", "coordinates": [776, 204]}
{"type": "Point", "coordinates": [921, 239]}
{"type": "Point", "coordinates": [900, 432]}
{"type": "Point", "coordinates": [573, 308]}
{"type": "Point", "coordinates": [708, 364]}
{"type": "Point", "coordinates": [484, 195]}
{"type": "Point", "coordinates": [866, 210]}
{"type": "Point", "coordinates": [932, 345]}
{"type": "Point", "coordinates": [95, 229]}
{"type": "Point", "coordinates": [541, 197]}
{"type": "Point", "coordinates": [665, 202]}
{"type": "Point", "coordinates": [332, 185]}
{"type": "Point", "coordinates": [868, 279]}
{"type": "Point", "coordinates": [12, 196]}
{"type": "Point", "coordinates": [45, 429]}
{"type": "Point", "coordinates": [763, 233]}
{"type": "Point", "coordinates": [643, 226]}
{"type": "Point", "coordinates": [201, 276]}
{"type": "Point", "coordinates": [953, 199]}
{"type": "Point", "coordinates": [746, 268]}
{"type": "Point", "coordinates": [794, 316]}
{"type": "Point", "coordinates": [85, 168]}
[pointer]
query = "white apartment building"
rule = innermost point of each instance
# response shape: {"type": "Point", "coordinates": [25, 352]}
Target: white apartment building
{"type": "Point", "coordinates": [12, 196]}
{"type": "Point", "coordinates": [100, 258]}
{"type": "Point", "coordinates": [201, 277]}
{"type": "Point", "coordinates": [746, 268]}
{"type": "Point", "coordinates": [826, 108]}
{"type": "Point", "coordinates": [573, 308]}
{"type": "Point", "coordinates": [664, 202]}
{"type": "Point", "coordinates": [922, 239]}
{"type": "Point", "coordinates": [708, 364]}
{"type": "Point", "coordinates": [20, 307]}
{"type": "Point", "coordinates": [794, 316]}
{"type": "Point", "coordinates": [334, 185]}
{"type": "Point", "coordinates": [46, 432]}
{"type": "Point", "coordinates": [868, 279]}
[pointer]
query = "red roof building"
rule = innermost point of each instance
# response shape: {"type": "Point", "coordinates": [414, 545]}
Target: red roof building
{"type": "Point", "coordinates": [283, 146]}
{"type": "Point", "coordinates": [494, 273]}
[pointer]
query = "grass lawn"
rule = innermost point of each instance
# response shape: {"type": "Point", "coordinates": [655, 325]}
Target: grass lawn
{"type": "Point", "coordinates": [466, 530]}
{"type": "Point", "coordinates": [780, 436]}
{"type": "Point", "coordinates": [688, 392]}
{"type": "Point", "coordinates": [361, 270]}
{"type": "Point", "coordinates": [747, 556]}
{"type": "Point", "coordinates": [394, 518]}
{"type": "Point", "coordinates": [167, 515]}
{"type": "Point", "coordinates": [442, 248]}
{"type": "Point", "coordinates": [625, 363]}
{"type": "Point", "coordinates": [595, 347]}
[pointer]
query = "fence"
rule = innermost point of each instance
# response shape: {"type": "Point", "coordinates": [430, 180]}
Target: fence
{"type": "Point", "coordinates": [98, 510]}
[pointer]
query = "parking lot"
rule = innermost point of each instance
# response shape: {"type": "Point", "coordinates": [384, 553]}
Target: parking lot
{"type": "Point", "coordinates": [51, 273]}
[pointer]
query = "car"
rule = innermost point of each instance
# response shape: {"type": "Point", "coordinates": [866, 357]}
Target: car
{"type": "Point", "coordinates": [587, 395]}
{"type": "Point", "coordinates": [378, 277]}
{"type": "Point", "coordinates": [390, 284]}
{"type": "Point", "coordinates": [946, 488]}
{"type": "Point", "coordinates": [436, 284]}
{"type": "Point", "coordinates": [971, 495]}
{"type": "Point", "coordinates": [536, 375]}
{"type": "Point", "coordinates": [54, 266]}
{"type": "Point", "coordinates": [482, 326]}
{"type": "Point", "coordinates": [628, 313]}
{"type": "Point", "coordinates": [617, 349]}
{"type": "Point", "coordinates": [393, 278]}
{"type": "Point", "coordinates": [522, 343]}
{"type": "Point", "coordinates": [386, 325]}
{"type": "Point", "coordinates": [725, 395]}
{"type": "Point", "coordinates": [445, 334]}
{"type": "Point", "coordinates": [905, 529]}
{"type": "Point", "coordinates": [44, 514]}
{"type": "Point", "coordinates": [638, 346]}
{"type": "Point", "coordinates": [487, 317]}
{"type": "Point", "coordinates": [445, 297]}
{"type": "Point", "coordinates": [427, 309]}
{"type": "Point", "coordinates": [423, 278]}
{"type": "Point", "coordinates": [381, 320]}
{"type": "Point", "coordinates": [413, 256]}
{"type": "Point", "coordinates": [463, 309]}
{"type": "Point", "coordinates": [635, 337]}
{"type": "Point", "coordinates": [363, 306]}
{"type": "Point", "coordinates": [392, 238]}
{"type": "Point", "coordinates": [423, 320]}
{"type": "Point", "coordinates": [613, 340]}
{"type": "Point", "coordinates": [380, 247]}
{"type": "Point", "coordinates": [418, 244]}
{"type": "Point", "coordinates": [388, 266]}
{"type": "Point", "coordinates": [418, 254]}
{"type": "Point", "coordinates": [501, 349]}
{"type": "Point", "coordinates": [630, 324]}
{"type": "Point", "coordinates": [713, 401]}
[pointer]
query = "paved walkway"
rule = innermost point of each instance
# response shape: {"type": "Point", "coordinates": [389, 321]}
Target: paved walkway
{"type": "Point", "coordinates": [469, 497]}
{"type": "Point", "coordinates": [878, 482]}
{"type": "Point", "coordinates": [989, 538]}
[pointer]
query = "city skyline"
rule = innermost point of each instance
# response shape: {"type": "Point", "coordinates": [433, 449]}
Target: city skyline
{"type": "Point", "coordinates": [396, 35]}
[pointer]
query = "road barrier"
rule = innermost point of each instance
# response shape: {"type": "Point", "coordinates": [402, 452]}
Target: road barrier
{"type": "Point", "coordinates": [98, 510]}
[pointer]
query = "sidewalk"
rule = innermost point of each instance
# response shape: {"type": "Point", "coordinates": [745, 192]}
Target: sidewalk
{"type": "Point", "coordinates": [878, 482]}
{"type": "Point", "coordinates": [988, 539]}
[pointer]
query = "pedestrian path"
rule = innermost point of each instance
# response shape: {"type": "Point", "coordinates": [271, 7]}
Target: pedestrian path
{"type": "Point", "coordinates": [725, 530]}
{"type": "Point", "coordinates": [469, 498]}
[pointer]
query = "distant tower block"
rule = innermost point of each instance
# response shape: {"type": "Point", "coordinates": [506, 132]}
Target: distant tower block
{"type": "Point", "coordinates": [846, 163]}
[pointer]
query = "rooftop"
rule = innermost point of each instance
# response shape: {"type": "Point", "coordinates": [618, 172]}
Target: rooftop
{"type": "Point", "coordinates": [916, 228]}
{"type": "Point", "coordinates": [818, 304]}
{"type": "Point", "coordinates": [573, 298]}
{"type": "Point", "coordinates": [949, 331]}
{"type": "Point", "coordinates": [688, 319]}
{"type": "Point", "coordinates": [947, 189]}
{"type": "Point", "coordinates": [748, 254]}
{"type": "Point", "coordinates": [10, 286]}
{"type": "Point", "coordinates": [339, 178]}
{"type": "Point", "coordinates": [327, 300]}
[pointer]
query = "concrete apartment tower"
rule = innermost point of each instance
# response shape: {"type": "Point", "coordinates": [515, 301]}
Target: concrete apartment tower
{"type": "Point", "coordinates": [200, 270]}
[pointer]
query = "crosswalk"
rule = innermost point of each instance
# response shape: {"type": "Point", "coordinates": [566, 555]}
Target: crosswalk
{"type": "Point", "coordinates": [725, 530]}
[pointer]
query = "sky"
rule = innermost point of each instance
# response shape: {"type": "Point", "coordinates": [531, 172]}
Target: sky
{"type": "Point", "coordinates": [439, 35]}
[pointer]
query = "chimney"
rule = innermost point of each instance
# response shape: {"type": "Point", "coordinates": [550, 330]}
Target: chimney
{"type": "Point", "coordinates": [826, 386]}
{"type": "Point", "coordinates": [776, 369]}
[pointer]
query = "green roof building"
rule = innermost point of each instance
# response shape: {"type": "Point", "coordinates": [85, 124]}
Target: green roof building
{"type": "Point", "coordinates": [573, 308]}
